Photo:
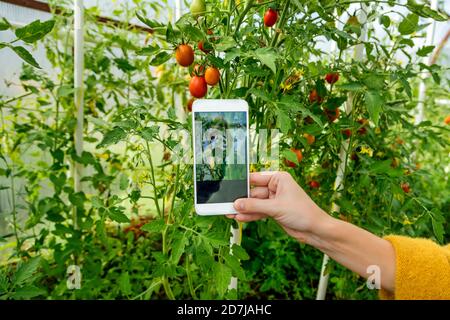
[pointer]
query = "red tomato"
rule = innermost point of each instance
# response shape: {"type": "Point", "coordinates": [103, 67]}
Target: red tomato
{"type": "Point", "coordinates": [347, 132]}
{"type": "Point", "coordinates": [332, 114]}
{"type": "Point", "coordinates": [201, 46]}
{"type": "Point", "coordinates": [212, 76]}
{"type": "Point", "coordinates": [314, 97]}
{"type": "Point", "coordinates": [405, 187]}
{"type": "Point", "coordinates": [332, 77]}
{"type": "Point", "coordinates": [309, 138]}
{"type": "Point", "coordinates": [447, 120]}
{"type": "Point", "coordinates": [189, 104]}
{"type": "Point", "coordinates": [299, 155]}
{"type": "Point", "coordinates": [184, 55]}
{"type": "Point", "coordinates": [270, 17]}
{"type": "Point", "coordinates": [362, 130]}
{"type": "Point", "coordinates": [314, 184]}
{"type": "Point", "coordinates": [198, 87]}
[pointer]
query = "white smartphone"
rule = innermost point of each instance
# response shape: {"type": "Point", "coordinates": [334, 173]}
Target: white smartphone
{"type": "Point", "coordinates": [221, 154]}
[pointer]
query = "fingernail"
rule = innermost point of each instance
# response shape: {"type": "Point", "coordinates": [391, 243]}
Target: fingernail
{"type": "Point", "coordinates": [239, 205]}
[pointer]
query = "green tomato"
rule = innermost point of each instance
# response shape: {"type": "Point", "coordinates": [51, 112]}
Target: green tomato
{"type": "Point", "coordinates": [198, 7]}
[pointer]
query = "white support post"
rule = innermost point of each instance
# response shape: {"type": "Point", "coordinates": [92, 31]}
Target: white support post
{"type": "Point", "coordinates": [343, 153]}
{"type": "Point", "coordinates": [422, 88]}
{"type": "Point", "coordinates": [79, 94]}
{"type": "Point", "coordinates": [234, 239]}
{"type": "Point", "coordinates": [177, 10]}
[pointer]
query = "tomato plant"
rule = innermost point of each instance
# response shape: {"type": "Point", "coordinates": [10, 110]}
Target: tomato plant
{"type": "Point", "coordinates": [132, 228]}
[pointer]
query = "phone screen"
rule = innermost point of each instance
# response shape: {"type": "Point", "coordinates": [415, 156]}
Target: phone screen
{"type": "Point", "coordinates": [220, 146]}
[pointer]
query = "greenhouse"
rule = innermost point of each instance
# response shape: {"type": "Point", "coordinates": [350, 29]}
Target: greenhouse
{"type": "Point", "coordinates": [224, 150]}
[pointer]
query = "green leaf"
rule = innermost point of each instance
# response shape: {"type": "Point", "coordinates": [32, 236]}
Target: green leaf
{"type": "Point", "coordinates": [438, 229]}
{"type": "Point", "coordinates": [424, 51]}
{"type": "Point", "coordinates": [240, 252]}
{"type": "Point", "coordinates": [124, 65]}
{"type": "Point", "coordinates": [125, 284]}
{"type": "Point", "coordinates": [116, 214]}
{"type": "Point", "coordinates": [160, 58]}
{"type": "Point", "coordinates": [149, 133]}
{"type": "Point", "coordinates": [25, 55]}
{"type": "Point", "coordinates": [34, 31]}
{"type": "Point", "coordinates": [374, 81]}
{"type": "Point", "coordinates": [351, 86]}
{"type": "Point", "coordinates": [147, 51]}
{"type": "Point", "coordinates": [267, 57]}
{"type": "Point", "coordinates": [380, 167]}
{"type": "Point", "coordinates": [77, 199]}
{"type": "Point", "coordinates": [149, 22]}
{"type": "Point", "coordinates": [409, 24]}
{"type": "Point", "coordinates": [4, 24]}
{"type": "Point", "coordinates": [178, 248]}
{"type": "Point", "coordinates": [26, 271]}
{"type": "Point", "coordinates": [193, 33]}
{"type": "Point", "coordinates": [112, 137]}
{"type": "Point", "coordinates": [28, 292]}
{"type": "Point", "coordinates": [225, 44]}
{"type": "Point", "coordinates": [97, 202]}
{"type": "Point", "coordinates": [374, 102]}
{"type": "Point", "coordinates": [222, 277]}
{"type": "Point", "coordinates": [385, 21]}
{"type": "Point", "coordinates": [123, 182]}
{"type": "Point", "coordinates": [290, 156]}
{"type": "Point", "coordinates": [235, 266]}
{"type": "Point", "coordinates": [65, 91]}
{"type": "Point", "coordinates": [154, 226]}
{"type": "Point", "coordinates": [283, 121]}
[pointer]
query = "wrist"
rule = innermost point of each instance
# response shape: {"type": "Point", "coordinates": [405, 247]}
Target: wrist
{"type": "Point", "coordinates": [324, 232]}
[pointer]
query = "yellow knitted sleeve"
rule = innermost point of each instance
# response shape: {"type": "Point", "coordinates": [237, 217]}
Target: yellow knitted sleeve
{"type": "Point", "coordinates": [422, 269]}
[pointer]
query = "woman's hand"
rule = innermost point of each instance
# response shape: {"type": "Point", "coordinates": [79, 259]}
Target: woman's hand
{"type": "Point", "coordinates": [277, 195]}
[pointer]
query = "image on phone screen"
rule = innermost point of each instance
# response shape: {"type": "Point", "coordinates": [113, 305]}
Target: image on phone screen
{"type": "Point", "coordinates": [221, 156]}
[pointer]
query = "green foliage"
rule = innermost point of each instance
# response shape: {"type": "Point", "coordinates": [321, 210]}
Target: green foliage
{"type": "Point", "coordinates": [132, 229]}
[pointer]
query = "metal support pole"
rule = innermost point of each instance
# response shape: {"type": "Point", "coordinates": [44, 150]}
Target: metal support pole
{"type": "Point", "coordinates": [79, 95]}
{"type": "Point", "coordinates": [343, 153]}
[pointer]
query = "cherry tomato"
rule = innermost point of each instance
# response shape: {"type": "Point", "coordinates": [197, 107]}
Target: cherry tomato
{"type": "Point", "coordinates": [270, 17]}
{"type": "Point", "coordinates": [447, 120]}
{"type": "Point", "coordinates": [332, 114]}
{"type": "Point", "coordinates": [405, 187]}
{"type": "Point", "coordinates": [189, 104]}
{"type": "Point", "coordinates": [205, 48]}
{"type": "Point", "coordinates": [184, 55]}
{"type": "Point", "coordinates": [212, 76]}
{"type": "Point", "coordinates": [309, 138]}
{"type": "Point", "coordinates": [347, 133]}
{"type": "Point", "coordinates": [314, 184]}
{"type": "Point", "coordinates": [198, 87]}
{"type": "Point", "coordinates": [198, 8]}
{"type": "Point", "coordinates": [314, 97]}
{"type": "Point", "coordinates": [332, 77]}
{"type": "Point", "coordinates": [362, 131]}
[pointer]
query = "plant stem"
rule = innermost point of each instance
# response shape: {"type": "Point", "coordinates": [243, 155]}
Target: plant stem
{"type": "Point", "coordinates": [153, 182]}
{"type": "Point", "coordinates": [14, 210]}
{"type": "Point", "coordinates": [282, 22]}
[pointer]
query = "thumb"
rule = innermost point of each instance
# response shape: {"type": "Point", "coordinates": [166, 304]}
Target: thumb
{"type": "Point", "coordinates": [254, 205]}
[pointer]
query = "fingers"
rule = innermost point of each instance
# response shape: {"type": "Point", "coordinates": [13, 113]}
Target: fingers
{"type": "Point", "coordinates": [256, 206]}
{"type": "Point", "coordinates": [261, 179]}
{"type": "Point", "coordinates": [259, 192]}
{"type": "Point", "coordinates": [249, 217]}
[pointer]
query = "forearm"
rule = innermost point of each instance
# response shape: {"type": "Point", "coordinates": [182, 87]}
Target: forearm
{"type": "Point", "coordinates": [355, 248]}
